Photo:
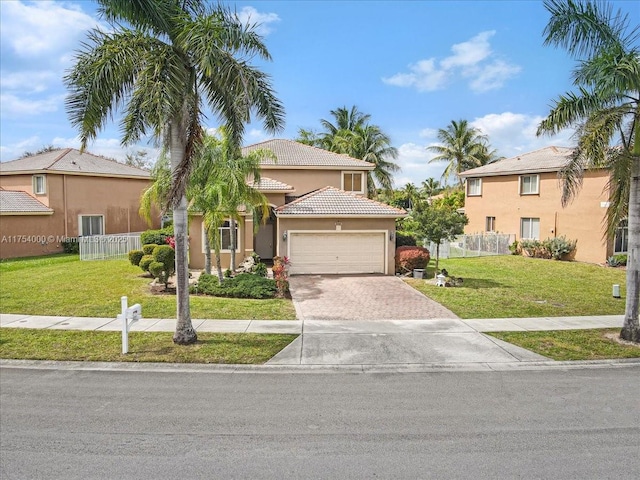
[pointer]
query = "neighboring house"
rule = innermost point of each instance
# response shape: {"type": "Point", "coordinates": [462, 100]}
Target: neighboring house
{"type": "Point", "coordinates": [521, 196]}
{"type": "Point", "coordinates": [61, 194]}
{"type": "Point", "coordinates": [321, 218]}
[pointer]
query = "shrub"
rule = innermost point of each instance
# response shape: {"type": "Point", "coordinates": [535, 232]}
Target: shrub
{"type": "Point", "coordinates": [148, 248]}
{"type": "Point", "coordinates": [515, 248]}
{"type": "Point", "coordinates": [405, 240]}
{"type": "Point", "coordinates": [409, 258]}
{"type": "Point", "coordinates": [281, 275]}
{"type": "Point", "coordinates": [617, 260]}
{"type": "Point", "coordinates": [259, 269]}
{"type": "Point", "coordinates": [556, 248]}
{"type": "Point", "coordinates": [157, 270]}
{"type": "Point", "coordinates": [135, 256]}
{"type": "Point", "coordinates": [228, 273]}
{"type": "Point", "coordinates": [165, 256]}
{"type": "Point", "coordinates": [71, 246]}
{"type": "Point", "coordinates": [145, 261]}
{"type": "Point", "coordinates": [157, 237]}
{"type": "Point", "coordinates": [244, 285]}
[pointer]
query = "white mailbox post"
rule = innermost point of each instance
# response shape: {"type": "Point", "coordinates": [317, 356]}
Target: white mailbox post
{"type": "Point", "coordinates": [133, 314]}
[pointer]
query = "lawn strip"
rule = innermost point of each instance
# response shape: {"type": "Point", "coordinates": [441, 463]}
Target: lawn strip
{"type": "Point", "coordinates": [572, 344]}
{"type": "Point", "coordinates": [70, 345]}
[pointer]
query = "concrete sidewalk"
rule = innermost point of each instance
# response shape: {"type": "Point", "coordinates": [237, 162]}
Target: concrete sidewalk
{"type": "Point", "coordinates": [333, 343]}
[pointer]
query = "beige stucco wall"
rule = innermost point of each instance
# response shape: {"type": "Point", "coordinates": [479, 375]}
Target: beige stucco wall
{"type": "Point", "coordinates": [30, 235]}
{"type": "Point", "coordinates": [581, 220]}
{"type": "Point", "coordinates": [305, 181]}
{"type": "Point", "coordinates": [196, 252]}
{"type": "Point", "coordinates": [377, 224]}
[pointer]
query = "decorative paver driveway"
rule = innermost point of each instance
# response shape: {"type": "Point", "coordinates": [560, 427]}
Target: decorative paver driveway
{"type": "Point", "coordinates": [361, 297]}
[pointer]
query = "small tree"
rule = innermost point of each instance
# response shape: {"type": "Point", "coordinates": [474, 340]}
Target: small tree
{"type": "Point", "coordinates": [439, 223]}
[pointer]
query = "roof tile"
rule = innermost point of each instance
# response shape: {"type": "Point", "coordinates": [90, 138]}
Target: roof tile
{"type": "Point", "coordinates": [549, 159]}
{"type": "Point", "coordinates": [12, 201]}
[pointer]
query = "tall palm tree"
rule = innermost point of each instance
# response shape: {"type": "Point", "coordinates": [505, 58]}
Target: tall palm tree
{"type": "Point", "coordinates": [344, 119]}
{"type": "Point", "coordinates": [463, 147]}
{"type": "Point", "coordinates": [177, 56]}
{"type": "Point", "coordinates": [430, 187]}
{"type": "Point", "coordinates": [606, 111]}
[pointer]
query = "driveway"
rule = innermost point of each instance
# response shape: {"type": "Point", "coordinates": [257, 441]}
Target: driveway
{"type": "Point", "coordinates": [361, 297]}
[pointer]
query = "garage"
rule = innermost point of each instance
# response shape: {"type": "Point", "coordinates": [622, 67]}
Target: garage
{"type": "Point", "coordinates": [337, 252]}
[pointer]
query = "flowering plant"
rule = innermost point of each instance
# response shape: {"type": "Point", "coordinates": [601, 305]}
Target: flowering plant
{"type": "Point", "coordinates": [171, 241]}
{"type": "Point", "coordinates": [281, 274]}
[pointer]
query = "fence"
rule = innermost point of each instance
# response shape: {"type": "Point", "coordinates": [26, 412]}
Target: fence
{"type": "Point", "coordinates": [475, 245]}
{"type": "Point", "coordinates": [107, 247]}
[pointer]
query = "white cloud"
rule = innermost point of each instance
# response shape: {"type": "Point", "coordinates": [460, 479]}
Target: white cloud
{"type": "Point", "coordinates": [28, 81]}
{"type": "Point", "coordinates": [262, 21]}
{"type": "Point", "coordinates": [15, 106]}
{"type": "Point", "coordinates": [14, 150]}
{"type": "Point", "coordinates": [428, 133]}
{"type": "Point", "coordinates": [44, 29]}
{"type": "Point", "coordinates": [472, 59]}
{"type": "Point", "coordinates": [413, 159]}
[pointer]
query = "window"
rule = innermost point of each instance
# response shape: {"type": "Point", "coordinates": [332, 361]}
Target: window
{"type": "Point", "coordinates": [352, 182]}
{"type": "Point", "coordinates": [529, 184]}
{"type": "Point", "coordinates": [91, 225]}
{"type": "Point", "coordinates": [225, 236]}
{"type": "Point", "coordinates": [474, 187]}
{"type": "Point", "coordinates": [490, 224]}
{"type": "Point", "coordinates": [621, 241]}
{"type": "Point", "coordinates": [39, 185]}
{"type": "Point", "coordinates": [530, 228]}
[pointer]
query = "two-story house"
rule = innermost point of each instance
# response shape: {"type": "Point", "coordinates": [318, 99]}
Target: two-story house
{"type": "Point", "coordinates": [321, 217]}
{"type": "Point", "coordinates": [61, 194]}
{"type": "Point", "coordinates": [522, 196]}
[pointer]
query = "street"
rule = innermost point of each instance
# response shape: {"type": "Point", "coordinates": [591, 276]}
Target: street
{"type": "Point", "coordinates": [72, 424]}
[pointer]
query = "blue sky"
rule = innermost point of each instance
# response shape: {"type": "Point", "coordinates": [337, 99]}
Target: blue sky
{"type": "Point", "coordinates": [412, 65]}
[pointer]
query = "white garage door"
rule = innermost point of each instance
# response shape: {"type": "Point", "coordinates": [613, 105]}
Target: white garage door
{"type": "Point", "coordinates": [337, 253]}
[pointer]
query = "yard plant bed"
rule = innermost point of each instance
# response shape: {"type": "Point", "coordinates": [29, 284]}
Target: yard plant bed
{"type": "Point", "coordinates": [68, 345]}
{"type": "Point", "coordinates": [63, 285]}
{"type": "Point", "coordinates": [518, 287]}
{"type": "Point", "coordinates": [572, 344]}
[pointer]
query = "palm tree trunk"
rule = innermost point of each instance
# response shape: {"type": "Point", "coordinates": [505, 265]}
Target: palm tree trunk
{"type": "Point", "coordinates": [437, 257]}
{"type": "Point", "coordinates": [207, 253]}
{"type": "Point", "coordinates": [219, 266]}
{"type": "Point", "coordinates": [232, 232]}
{"type": "Point", "coordinates": [185, 333]}
{"type": "Point", "coordinates": [631, 327]}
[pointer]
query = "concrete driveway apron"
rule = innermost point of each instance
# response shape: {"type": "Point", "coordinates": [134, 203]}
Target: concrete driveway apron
{"type": "Point", "coordinates": [380, 320]}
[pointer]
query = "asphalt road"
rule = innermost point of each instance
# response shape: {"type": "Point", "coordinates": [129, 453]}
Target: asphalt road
{"type": "Point", "coordinates": [69, 424]}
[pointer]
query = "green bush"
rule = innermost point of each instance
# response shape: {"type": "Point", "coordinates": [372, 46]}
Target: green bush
{"type": "Point", "coordinates": [148, 248]}
{"type": "Point", "coordinates": [145, 261]}
{"type": "Point", "coordinates": [259, 269]}
{"type": "Point", "coordinates": [228, 273]}
{"type": "Point", "coordinates": [157, 237]}
{"type": "Point", "coordinates": [245, 285]}
{"type": "Point", "coordinates": [157, 270]}
{"type": "Point", "coordinates": [71, 246]}
{"type": "Point", "coordinates": [556, 248]}
{"type": "Point", "coordinates": [617, 260]}
{"type": "Point", "coordinates": [135, 256]}
{"type": "Point", "coordinates": [405, 240]}
{"type": "Point", "coordinates": [166, 256]}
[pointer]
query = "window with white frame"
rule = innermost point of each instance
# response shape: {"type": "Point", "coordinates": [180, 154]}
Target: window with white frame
{"type": "Point", "coordinates": [490, 224]}
{"type": "Point", "coordinates": [474, 187]}
{"type": "Point", "coordinates": [39, 184]}
{"type": "Point", "coordinates": [530, 228]}
{"type": "Point", "coordinates": [529, 184]}
{"type": "Point", "coordinates": [225, 236]}
{"type": "Point", "coordinates": [91, 225]}
{"type": "Point", "coordinates": [352, 182]}
{"type": "Point", "coordinates": [621, 239]}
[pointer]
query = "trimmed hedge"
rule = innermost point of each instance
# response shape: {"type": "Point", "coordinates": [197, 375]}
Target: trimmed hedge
{"type": "Point", "coordinates": [145, 261]}
{"type": "Point", "coordinates": [157, 237]}
{"type": "Point", "coordinates": [148, 248]}
{"type": "Point", "coordinates": [135, 256]}
{"type": "Point", "coordinates": [245, 285]}
{"type": "Point", "coordinates": [409, 258]}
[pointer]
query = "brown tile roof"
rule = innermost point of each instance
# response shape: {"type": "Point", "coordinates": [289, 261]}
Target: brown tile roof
{"type": "Point", "coordinates": [295, 154]}
{"type": "Point", "coordinates": [334, 202]}
{"type": "Point", "coordinates": [270, 185]}
{"type": "Point", "coordinates": [17, 202]}
{"type": "Point", "coordinates": [71, 161]}
{"type": "Point", "coordinates": [549, 159]}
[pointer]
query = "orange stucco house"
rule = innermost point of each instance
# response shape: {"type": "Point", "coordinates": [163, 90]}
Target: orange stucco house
{"type": "Point", "coordinates": [61, 194]}
{"type": "Point", "coordinates": [320, 217]}
{"type": "Point", "coordinates": [521, 195]}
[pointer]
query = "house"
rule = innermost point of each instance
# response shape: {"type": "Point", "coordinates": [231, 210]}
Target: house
{"type": "Point", "coordinates": [320, 217]}
{"type": "Point", "coordinates": [522, 196]}
{"type": "Point", "coordinates": [63, 194]}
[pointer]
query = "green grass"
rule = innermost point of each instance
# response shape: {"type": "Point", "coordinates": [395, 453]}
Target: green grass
{"type": "Point", "coordinates": [61, 345]}
{"type": "Point", "coordinates": [63, 285]}
{"type": "Point", "coordinates": [571, 344]}
{"type": "Point", "coordinates": [514, 286]}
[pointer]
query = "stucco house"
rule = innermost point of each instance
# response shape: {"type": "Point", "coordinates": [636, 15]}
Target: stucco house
{"type": "Point", "coordinates": [63, 193]}
{"type": "Point", "coordinates": [320, 217]}
{"type": "Point", "coordinates": [522, 196]}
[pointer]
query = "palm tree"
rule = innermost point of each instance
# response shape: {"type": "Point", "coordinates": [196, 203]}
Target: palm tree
{"type": "Point", "coordinates": [606, 111]}
{"type": "Point", "coordinates": [159, 72]}
{"type": "Point", "coordinates": [430, 187]}
{"type": "Point", "coordinates": [344, 119]}
{"type": "Point", "coordinates": [463, 147]}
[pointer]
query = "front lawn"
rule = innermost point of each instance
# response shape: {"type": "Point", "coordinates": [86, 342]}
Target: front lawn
{"type": "Point", "coordinates": [517, 287]}
{"type": "Point", "coordinates": [63, 285]}
{"type": "Point", "coordinates": [572, 344]}
{"type": "Point", "coordinates": [61, 345]}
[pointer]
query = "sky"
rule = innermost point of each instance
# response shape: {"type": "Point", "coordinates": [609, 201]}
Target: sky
{"type": "Point", "coordinates": [414, 66]}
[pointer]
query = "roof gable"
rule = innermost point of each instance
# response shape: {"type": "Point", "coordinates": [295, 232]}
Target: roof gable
{"type": "Point", "coordinates": [71, 161]}
{"type": "Point", "coordinates": [17, 202]}
{"type": "Point", "coordinates": [270, 185]}
{"type": "Point", "coordinates": [548, 159]}
{"type": "Point", "coordinates": [335, 202]}
{"type": "Point", "coordinates": [298, 155]}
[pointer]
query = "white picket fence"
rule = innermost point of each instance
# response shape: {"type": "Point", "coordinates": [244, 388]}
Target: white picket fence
{"type": "Point", "coordinates": [108, 247]}
{"type": "Point", "coordinates": [479, 245]}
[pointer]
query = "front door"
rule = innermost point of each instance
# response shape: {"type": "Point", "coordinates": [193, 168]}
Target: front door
{"type": "Point", "coordinates": [264, 241]}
